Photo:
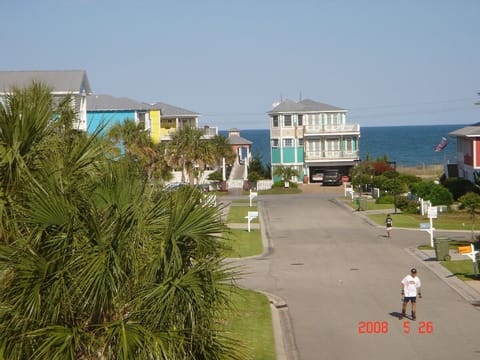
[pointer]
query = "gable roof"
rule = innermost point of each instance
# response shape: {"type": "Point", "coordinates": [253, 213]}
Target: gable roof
{"type": "Point", "coordinates": [306, 105]}
{"type": "Point", "coordinates": [170, 110]}
{"type": "Point", "coordinates": [467, 131]}
{"type": "Point", "coordinates": [61, 81]}
{"type": "Point", "coordinates": [110, 103]}
{"type": "Point", "coordinates": [318, 106]}
{"type": "Point", "coordinates": [238, 140]}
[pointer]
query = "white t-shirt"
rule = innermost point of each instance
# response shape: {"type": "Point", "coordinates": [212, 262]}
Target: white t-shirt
{"type": "Point", "coordinates": [410, 285]}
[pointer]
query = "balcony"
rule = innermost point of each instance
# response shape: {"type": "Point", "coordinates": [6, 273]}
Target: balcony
{"type": "Point", "coordinates": [209, 132]}
{"type": "Point", "coordinates": [322, 129]}
{"type": "Point", "coordinates": [329, 155]}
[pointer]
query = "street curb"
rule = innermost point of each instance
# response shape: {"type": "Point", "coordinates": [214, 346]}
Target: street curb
{"type": "Point", "coordinates": [464, 290]}
{"type": "Point", "coordinates": [285, 345]}
{"type": "Point", "coordinates": [284, 336]}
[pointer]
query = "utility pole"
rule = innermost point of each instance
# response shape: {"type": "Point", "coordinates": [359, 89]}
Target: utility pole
{"type": "Point", "coordinates": [394, 163]}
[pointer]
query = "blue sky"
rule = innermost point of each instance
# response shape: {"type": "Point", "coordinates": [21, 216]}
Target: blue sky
{"type": "Point", "coordinates": [388, 62]}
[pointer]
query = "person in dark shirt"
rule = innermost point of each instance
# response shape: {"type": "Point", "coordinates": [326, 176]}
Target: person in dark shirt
{"type": "Point", "coordinates": [389, 224]}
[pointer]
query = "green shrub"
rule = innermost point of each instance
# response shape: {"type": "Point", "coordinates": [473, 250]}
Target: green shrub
{"type": "Point", "coordinates": [409, 179]}
{"type": "Point", "coordinates": [254, 176]}
{"type": "Point", "coordinates": [281, 184]}
{"type": "Point", "coordinates": [406, 205]}
{"type": "Point", "coordinates": [440, 195]}
{"type": "Point", "coordinates": [215, 176]}
{"type": "Point", "coordinates": [436, 193]}
{"type": "Point", "coordinates": [458, 187]}
{"type": "Point", "coordinates": [385, 199]}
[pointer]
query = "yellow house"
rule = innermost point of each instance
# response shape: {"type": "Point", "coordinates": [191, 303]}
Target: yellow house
{"type": "Point", "coordinates": [166, 119]}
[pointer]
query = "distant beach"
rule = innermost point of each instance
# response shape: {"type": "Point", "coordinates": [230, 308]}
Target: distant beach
{"type": "Point", "coordinates": [408, 146]}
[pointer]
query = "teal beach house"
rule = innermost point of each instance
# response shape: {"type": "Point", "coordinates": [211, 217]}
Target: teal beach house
{"type": "Point", "coordinates": [312, 138]}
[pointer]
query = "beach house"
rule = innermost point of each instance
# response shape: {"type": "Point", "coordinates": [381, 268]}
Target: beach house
{"type": "Point", "coordinates": [106, 110]}
{"type": "Point", "coordinates": [159, 119]}
{"type": "Point", "coordinates": [468, 152]}
{"type": "Point", "coordinates": [73, 83]}
{"type": "Point", "coordinates": [312, 138]}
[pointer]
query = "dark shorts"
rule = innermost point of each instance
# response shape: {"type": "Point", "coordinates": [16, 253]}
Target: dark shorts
{"type": "Point", "coordinates": [413, 299]}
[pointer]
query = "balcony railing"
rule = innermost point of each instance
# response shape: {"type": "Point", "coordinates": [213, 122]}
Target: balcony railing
{"type": "Point", "coordinates": [331, 155]}
{"type": "Point", "coordinates": [209, 132]}
{"type": "Point", "coordinates": [321, 128]}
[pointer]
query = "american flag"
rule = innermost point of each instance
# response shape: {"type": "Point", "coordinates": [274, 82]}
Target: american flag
{"type": "Point", "coordinates": [441, 145]}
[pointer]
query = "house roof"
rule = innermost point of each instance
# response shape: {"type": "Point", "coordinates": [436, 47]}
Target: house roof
{"type": "Point", "coordinates": [467, 131]}
{"type": "Point", "coordinates": [61, 81]}
{"type": "Point", "coordinates": [306, 105]}
{"type": "Point", "coordinates": [170, 110]}
{"type": "Point", "coordinates": [110, 103]}
{"type": "Point", "coordinates": [238, 140]}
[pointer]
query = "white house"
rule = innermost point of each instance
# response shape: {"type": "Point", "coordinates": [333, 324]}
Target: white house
{"type": "Point", "coordinates": [63, 83]}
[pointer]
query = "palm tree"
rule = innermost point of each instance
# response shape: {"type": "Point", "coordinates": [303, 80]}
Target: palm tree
{"type": "Point", "coordinates": [222, 151]}
{"type": "Point", "coordinates": [286, 173]}
{"type": "Point", "coordinates": [26, 132]}
{"type": "Point", "coordinates": [140, 149]}
{"type": "Point", "coordinates": [471, 202]}
{"type": "Point", "coordinates": [98, 265]}
{"type": "Point", "coordinates": [187, 151]}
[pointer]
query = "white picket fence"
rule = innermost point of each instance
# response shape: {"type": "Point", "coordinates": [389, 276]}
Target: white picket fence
{"type": "Point", "coordinates": [264, 184]}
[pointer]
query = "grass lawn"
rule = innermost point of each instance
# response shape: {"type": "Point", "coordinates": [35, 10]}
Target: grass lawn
{"type": "Point", "coordinates": [243, 243]}
{"type": "Point", "coordinates": [251, 324]}
{"type": "Point", "coordinates": [367, 205]}
{"type": "Point", "coordinates": [453, 220]}
{"type": "Point", "coordinates": [463, 269]}
{"type": "Point", "coordinates": [445, 221]}
{"type": "Point", "coordinates": [452, 245]}
{"type": "Point", "coordinates": [236, 214]}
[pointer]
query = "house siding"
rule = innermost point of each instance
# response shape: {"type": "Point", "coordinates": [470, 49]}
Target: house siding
{"type": "Point", "coordinates": [327, 141]}
{"type": "Point", "coordinates": [155, 130]}
{"type": "Point", "coordinates": [289, 155]}
{"type": "Point", "coordinates": [108, 118]}
{"type": "Point", "coordinates": [476, 147]}
{"type": "Point", "coordinates": [300, 154]}
{"type": "Point", "coordinates": [276, 156]}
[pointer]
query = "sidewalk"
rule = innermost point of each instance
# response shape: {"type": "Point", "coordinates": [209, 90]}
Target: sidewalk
{"type": "Point", "coordinates": [286, 282]}
{"type": "Point", "coordinates": [469, 290]}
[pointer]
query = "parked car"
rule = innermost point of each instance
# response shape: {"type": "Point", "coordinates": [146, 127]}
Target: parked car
{"type": "Point", "coordinates": [332, 177]}
{"type": "Point", "coordinates": [317, 176]}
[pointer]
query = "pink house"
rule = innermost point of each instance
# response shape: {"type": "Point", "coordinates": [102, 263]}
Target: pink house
{"type": "Point", "coordinates": [468, 151]}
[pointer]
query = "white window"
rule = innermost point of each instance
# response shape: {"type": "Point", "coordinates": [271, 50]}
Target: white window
{"type": "Point", "coordinates": [348, 144]}
{"type": "Point", "coordinates": [274, 142]}
{"type": "Point", "coordinates": [300, 120]}
{"type": "Point", "coordinates": [300, 142]}
{"type": "Point", "coordinates": [314, 146]}
{"type": "Point", "coordinates": [275, 121]}
{"type": "Point", "coordinates": [287, 142]}
{"type": "Point", "coordinates": [287, 120]}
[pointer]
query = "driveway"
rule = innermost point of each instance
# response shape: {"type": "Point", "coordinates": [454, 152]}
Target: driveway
{"type": "Point", "coordinates": [339, 277]}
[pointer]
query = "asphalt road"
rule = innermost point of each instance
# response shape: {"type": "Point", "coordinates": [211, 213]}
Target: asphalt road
{"type": "Point", "coordinates": [339, 277]}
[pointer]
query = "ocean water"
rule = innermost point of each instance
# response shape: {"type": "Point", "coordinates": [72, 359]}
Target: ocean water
{"type": "Point", "coordinates": [407, 145]}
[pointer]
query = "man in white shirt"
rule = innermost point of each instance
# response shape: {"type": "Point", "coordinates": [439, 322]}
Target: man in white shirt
{"type": "Point", "coordinates": [411, 286]}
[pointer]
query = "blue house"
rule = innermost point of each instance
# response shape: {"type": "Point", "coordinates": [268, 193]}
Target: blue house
{"type": "Point", "coordinates": [108, 110]}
